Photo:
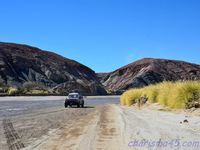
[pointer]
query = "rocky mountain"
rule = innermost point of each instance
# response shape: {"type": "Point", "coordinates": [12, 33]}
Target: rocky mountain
{"type": "Point", "coordinates": [149, 71]}
{"type": "Point", "coordinates": [21, 63]}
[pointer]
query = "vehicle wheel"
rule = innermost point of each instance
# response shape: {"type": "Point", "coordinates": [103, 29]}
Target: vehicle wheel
{"type": "Point", "coordinates": [78, 105]}
{"type": "Point", "coordinates": [66, 106]}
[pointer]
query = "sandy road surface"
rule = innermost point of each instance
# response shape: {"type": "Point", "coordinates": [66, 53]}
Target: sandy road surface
{"type": "Point", "coordinates": [103, 127]}
{"type": "Point", "coordinates": [24, 120]}
{"type": "Point", "coordinates": [99, 130]}
{"type": "Point", "coordinates": [15, 106]}
{"type": "Point", "coordinates": [112, 127]}
{"type": "Point", "coordinates": [21, 131]}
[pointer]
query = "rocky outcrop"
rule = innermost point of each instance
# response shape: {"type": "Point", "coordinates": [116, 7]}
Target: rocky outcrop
{"type": "Point", "coordinates": [22, 63]}
{"type": "Point", "coordinates": [149, 71]}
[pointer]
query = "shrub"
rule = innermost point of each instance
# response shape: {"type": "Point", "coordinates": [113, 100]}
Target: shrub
{"type": "Point", "coordinates": [37, 92]}
{"type": "Point", "coordinates": [2, 90]}
{"type": "Point", "coordinates": [130, 97]}
{"type": "Point", "coordinates": [151, 92]}
{"type": "Point", "coordinates": [164, 92]}
{"type": "Point", "coordinates": [28, 86]}
{"type": "Point", "coordinates": [172, 94]}
{"type": "Point", "coordinates": [12, 91]}
{"type": "Point", "coordinates": [184, 94]}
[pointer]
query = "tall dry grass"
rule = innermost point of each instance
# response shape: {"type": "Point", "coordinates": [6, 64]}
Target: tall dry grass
{"type": "Point", "coordinates": [172, 94]}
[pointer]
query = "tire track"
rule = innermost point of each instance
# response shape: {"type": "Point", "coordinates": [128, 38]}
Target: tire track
{"type": "Point", "coordinates": [108, 129]}
{"type": "Point", "coordinates": [13, 139]}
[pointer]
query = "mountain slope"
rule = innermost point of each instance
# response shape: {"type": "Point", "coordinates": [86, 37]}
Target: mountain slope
{"type": "Point", "coordinates": [21, 63]}
{"type": "Point", "coordinates": [149, 71]}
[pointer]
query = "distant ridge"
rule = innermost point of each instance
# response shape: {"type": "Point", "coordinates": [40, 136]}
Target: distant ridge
{"type": "Point", "coordinates": [149, 71]}
{"type": "Point", "coordinates": [22, 63]}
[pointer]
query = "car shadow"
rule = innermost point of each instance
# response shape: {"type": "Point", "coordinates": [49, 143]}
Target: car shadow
{"type": "Point", "coordinates": [89, 107]}
{"type": "Point", "coordinates": [82, 107]}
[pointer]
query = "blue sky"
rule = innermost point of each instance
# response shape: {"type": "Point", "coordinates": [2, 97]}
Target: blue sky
{"type": "Point", "coordinates": [105, 34]}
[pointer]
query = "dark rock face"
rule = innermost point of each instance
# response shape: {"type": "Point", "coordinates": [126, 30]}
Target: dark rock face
{"type": "Point", "coordinates": [22, 63]}
{"type": "Point", "coordinates": [149, 71]}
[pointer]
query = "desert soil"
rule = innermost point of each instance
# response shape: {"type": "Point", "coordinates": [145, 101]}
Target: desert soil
{"type": "Point", "coordinates": [104, 127]}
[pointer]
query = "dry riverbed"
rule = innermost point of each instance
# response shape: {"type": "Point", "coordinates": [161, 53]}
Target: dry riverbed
{"type": "Point", "coordinates": [26, 129]}
{"type": "Point", "coordinates": [103, 127]}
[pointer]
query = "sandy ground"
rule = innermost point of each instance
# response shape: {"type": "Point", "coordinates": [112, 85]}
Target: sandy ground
{"type": "Point", "coordinates": [100, 129]}
{"type": "Point", "coordinates": [106, 127]}
{"type": "Point", "coordinates": [172, 130]}
{"type": "Point", "coordinates": [20, 131]}
{"type": "Point", "coordinates": [15, 106]}
{"type": "Point", "coordinates": [49, 98]}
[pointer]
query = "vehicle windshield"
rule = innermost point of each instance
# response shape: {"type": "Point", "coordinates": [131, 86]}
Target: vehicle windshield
{"type": "Point", "coordinates": [73, 95]}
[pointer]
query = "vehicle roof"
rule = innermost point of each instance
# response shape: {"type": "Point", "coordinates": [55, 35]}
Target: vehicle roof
{"type": "Point", "coordinates": [73, 93]}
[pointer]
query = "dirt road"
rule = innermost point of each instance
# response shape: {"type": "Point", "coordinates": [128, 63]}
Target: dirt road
{"type": "Point", "coordinates": [98, 130]}
{"type": "Point", "coordinates": [112, 127]}
{"type": "Point", "coordinates": [104, 127]}
{"type": "Point", "coordinates": [20, 105]}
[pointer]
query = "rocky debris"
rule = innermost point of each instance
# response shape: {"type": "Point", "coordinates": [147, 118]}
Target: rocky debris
{"type": "Point", "coordinates": [149, 71]}
{"type": "Point", "coordinates": [192, 104]}
{"type": "Point", "coordinates": [22, 63]}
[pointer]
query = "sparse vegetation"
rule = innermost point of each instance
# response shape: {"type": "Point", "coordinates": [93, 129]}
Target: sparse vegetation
{"type": "Point", "coordinates": [185, 94]}
{"type": "Point", "coordinates": [37, 92]}
{"type": "Point", "coordinates": [3, 88]}
{"type": "Point", "coordinates": [12, 91]}
{"type": "Point", "coordinates": [29, 88]}
{"type": "Point", "coordinates": [34, 88]}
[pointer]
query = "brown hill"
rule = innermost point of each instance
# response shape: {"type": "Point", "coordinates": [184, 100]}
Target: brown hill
{"type": "Point", "coordinates": [21, 63]}
{"type": "Point", "coordinates": [149, 71]}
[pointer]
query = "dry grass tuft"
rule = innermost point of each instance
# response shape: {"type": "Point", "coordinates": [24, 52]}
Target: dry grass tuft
{"type": "Point", "coordinates": [172, 94]}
